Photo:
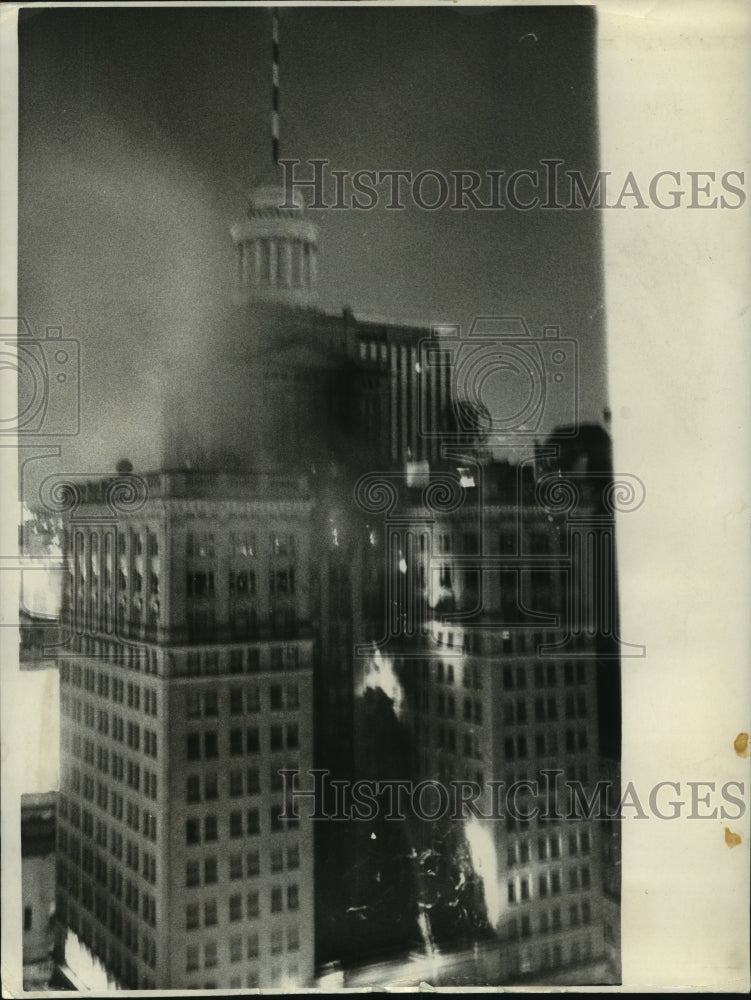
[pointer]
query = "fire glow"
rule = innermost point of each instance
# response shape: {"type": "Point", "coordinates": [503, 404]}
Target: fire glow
{"type": "Point", "coordinates": [378, 674]}
{"type": "Point", "coordinates": [484, 862]}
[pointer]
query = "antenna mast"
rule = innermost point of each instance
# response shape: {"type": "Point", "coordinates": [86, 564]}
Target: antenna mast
{"type": "Point", "coordinates": [275, 85]}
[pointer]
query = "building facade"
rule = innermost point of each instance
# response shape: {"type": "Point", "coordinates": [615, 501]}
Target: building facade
{"type": "Point", "coordinates": [501, 691]}
{"type": "Point", "coordinates": [187, 685]}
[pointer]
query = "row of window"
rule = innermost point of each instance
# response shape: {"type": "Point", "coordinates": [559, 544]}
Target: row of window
{"type": "Point", "coordinates": [497, 642]}
{"type": "Point", "coordinates": [520, 852]}
{"type": "Point", "coordinates": [516, 747]}
{"type": "Point", "coordinates": [235, 661]}
{"type": "Point", "coordinates": [552, 920]}
{"type": "Point", "coordinates": [241, 907]}
{"type": "Point", "coordinates": [242, 700]}
{"type": "Point", "coordinates": [544, 675]}
{"type": "Point", "coordinates": [240, 583]}
{"type": "Point", "coordinates": [549, 883]}
{"type": "Point", "coordinates": [205, 745]}
{"type": "Point", "coordinates": [445, 739]}
{"type": "Point", "coordinates": [242, 823]}
{"type": "Point", "coordinates": [133, 536]}
{"type": "Point", "coordinates": [138, 778]}
{"type": "Point", "coordinates": [137, 658]}
{"type": "Point", "coordinates": [274, 978]}
{"type": "Point", "coordinates": [100, 719]}
{"type": "Point", "coordinates": [248, 865]}
{"type": "Point", "coordinates": [534, 542]}
{"type": "Point", "coordinates": [545, 709]}
{"type": "Point", "coordinates": [514, 679]}
{"type": "Point", "coordinates": [446, 706]}
{"type": "Point", "coordinates": [205, 787]}
{"type": "Point", "coordinates": [239, 948]}
{"type": "Point", "coordinates": [105, 686]}
{"type": "Point", "coordinates": [85, 785]}
{"type": "Point", "coordinates": [242, 545]}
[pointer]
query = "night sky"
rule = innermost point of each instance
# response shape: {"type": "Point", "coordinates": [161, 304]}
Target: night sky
{"type": "Point", "coordinates": [142, 132]}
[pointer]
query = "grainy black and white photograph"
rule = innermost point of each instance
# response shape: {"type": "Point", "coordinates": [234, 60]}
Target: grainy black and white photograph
{"type": "Point", "coordinates": [319, 544]}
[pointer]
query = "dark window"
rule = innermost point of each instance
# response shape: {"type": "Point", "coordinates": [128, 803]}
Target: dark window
{"type": "Point", "coordinates": [253, 821]}
{"type": "Point", "coordinates": [209, 917]}
{"type": "Point", "coordinates": [210, 786]}
{"type": "Point", "coordinates": [192, 873]}
{"type": "Point", "coordinates": [200, 585]}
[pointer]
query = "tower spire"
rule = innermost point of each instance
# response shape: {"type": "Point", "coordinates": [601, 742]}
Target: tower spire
{"type": "Point", "coordinates": [277, 246]}
{"type": "Point", "coordinates": [275, 85]}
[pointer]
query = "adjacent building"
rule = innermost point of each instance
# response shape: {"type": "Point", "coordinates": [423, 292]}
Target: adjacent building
{"type": "Point", "coordinates": [38, 887]}
{"type": "Point", "coordinates": [502, 682]}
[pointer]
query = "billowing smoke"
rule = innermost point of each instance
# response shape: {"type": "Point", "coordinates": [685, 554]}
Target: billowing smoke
{"type": "Point", "coordinates": [42, 564]}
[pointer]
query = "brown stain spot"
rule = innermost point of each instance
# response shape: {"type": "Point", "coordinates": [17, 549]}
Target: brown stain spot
{"type": "Point", "coordinates": [732, 839]}
{"type": "Point", "coordinates": [740, 744]}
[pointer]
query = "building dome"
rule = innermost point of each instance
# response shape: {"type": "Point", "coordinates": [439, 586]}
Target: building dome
{"type": "Point", "coordinates": [277, 250]}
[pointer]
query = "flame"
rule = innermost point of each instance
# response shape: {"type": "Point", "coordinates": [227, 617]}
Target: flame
{"type": "Point", "coordinates": [484, 861]}
{"type": "Point", "coordinates": [378, 673]}
{"type": "Point", "coordinates": [87, 970]}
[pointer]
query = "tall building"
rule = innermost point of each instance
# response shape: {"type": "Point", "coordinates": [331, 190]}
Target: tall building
{"type": "Point", "coordinates": [505, 696]}
{"type": "Point", "coordinates": [187, 686]}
